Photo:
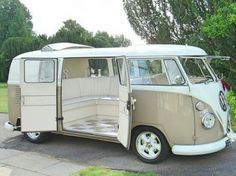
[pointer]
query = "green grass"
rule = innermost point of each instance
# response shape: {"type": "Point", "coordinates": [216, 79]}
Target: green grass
{"type": "Point", "coordinates": [3, 97]}
{"type": "Point", "coordinates": [95, 171]}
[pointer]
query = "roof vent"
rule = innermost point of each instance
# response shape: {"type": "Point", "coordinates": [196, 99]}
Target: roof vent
{"type": "Point", "coordinates": [63, 46]}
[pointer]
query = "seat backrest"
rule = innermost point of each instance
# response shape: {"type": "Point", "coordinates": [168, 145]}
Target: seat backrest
{"type": "Point", "coordinates": [70, 88]}
{"type": "Point", "coordinates": [92, 86]}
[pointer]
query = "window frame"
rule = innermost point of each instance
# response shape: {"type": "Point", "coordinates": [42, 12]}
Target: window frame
{"type": "Point", "coordinates": [184, 83]}
{"type": "Point", "coordinates": [203, 58]}
{"type": "Point", "coordinates": [164, 68]}
{"type": "Point", "coordinates": [126, 70]}
{"type": "Point", "coordinates": [39, 60]}
{"type": "Point", "coordinates": [97, 59]}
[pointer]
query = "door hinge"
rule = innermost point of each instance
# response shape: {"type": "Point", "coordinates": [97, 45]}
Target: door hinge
{"type": "Point", "coordinates": [128, 105]}
{"type": "Point", "coordinates": [59, 118]}
{"type": "Point", "coordinates": [131, 103]}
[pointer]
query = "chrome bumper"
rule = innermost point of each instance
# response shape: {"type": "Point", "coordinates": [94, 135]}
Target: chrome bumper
{"type": "Point", "coordinates": [9, 126]}
{"type": "Point", "coordinates": [204, 148]}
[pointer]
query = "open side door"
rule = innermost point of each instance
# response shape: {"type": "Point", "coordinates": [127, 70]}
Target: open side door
{"type": "Point", "coordinates": [38, 95]}
{"type": "Point", "coordinates": [125, 106]}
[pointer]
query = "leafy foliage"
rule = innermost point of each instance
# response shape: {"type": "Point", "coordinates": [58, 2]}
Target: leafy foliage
{"type": "Point", "coordinates": [15, 20]}
{"type": "Point", "coordinates": [16, 35]}
{"type": "Point", "coordinates": [209, 24]}
{"type": "Point", "coordinates": [218, 35]}
{"type": "Point", "coordinates": [231, 97]}
{"type": "Point", "coordinates": [169, 21]}
{"type": "Point", "coordinates": [103, 39]}
{"type": "Point", "coordinates": [12, 47]}
{"type": "Point", "coordinates": [73, 32]}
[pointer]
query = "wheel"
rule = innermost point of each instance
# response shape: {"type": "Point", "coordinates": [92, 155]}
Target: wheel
{"type": "Point", "coordinates": [37, 137]}
{"type": "Point", "coordinates": [150, 145]}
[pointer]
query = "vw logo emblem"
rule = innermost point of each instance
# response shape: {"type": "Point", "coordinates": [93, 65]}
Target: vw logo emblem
{"type": "Point", "coordinates": [222, 101]}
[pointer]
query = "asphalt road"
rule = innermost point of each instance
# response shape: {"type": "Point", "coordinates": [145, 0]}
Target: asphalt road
{"type": "Point", "coordinates": [92, 152]}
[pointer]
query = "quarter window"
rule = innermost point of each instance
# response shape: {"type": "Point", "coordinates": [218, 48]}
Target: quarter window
{"type": "Point", "coordinates": [174, 74]}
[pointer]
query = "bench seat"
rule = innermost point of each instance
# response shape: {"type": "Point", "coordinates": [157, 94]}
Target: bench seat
{"type": "Point", "coordinates": [78, 102]}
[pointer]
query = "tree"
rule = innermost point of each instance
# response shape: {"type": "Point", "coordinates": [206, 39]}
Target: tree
{"type": "Point", "coordinates": [14, 46]}
{"type": "Point", "coordinates": [120, 40]}
{"type": "Point", "coordinates": [209, 24]}
{"type": "Point", "coordinates": [218, 35]}
{"type": "Point", "coordinates": [15, 20]}
{"type": "Point", "coordinates": [169, 21]}
{"type": "Point", "coordinates": [102, 39]}
{"type": "Point", "coordinates": [15, 25]}
{"type": "Point", "coordinates": [73, 32]}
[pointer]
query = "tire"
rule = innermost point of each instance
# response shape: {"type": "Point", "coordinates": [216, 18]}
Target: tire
{"type": "Point", "coordinates": [37, 137]}
{"type": "Point", "coordinates": [150, 145]}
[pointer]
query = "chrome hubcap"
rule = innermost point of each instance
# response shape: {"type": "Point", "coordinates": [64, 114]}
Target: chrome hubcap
{"type": "Point", "coordinates": [148, 145]}
{"type": "Point", "coordinates": [33, 135]}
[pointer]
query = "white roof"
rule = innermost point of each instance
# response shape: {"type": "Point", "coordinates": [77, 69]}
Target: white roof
{"type": "Point", "coordinates": [132, 51]}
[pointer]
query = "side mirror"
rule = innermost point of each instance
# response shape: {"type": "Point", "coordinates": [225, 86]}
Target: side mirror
{"type": "Point", "coordinates": [179, 80]}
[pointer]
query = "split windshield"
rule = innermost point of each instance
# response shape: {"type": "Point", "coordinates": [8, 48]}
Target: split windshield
{"type": "Point", "coordinates": [196, 70]}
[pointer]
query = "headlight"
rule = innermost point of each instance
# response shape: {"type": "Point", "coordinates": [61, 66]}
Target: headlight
{"type": "Point", "coordinates": [200, 106]}
{"type": "Point", "coordinates": [208, 120]}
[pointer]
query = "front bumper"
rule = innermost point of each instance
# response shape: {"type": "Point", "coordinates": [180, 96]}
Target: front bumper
{"type": "Point", "coordinates": [11, 127]}
{"type": "Point", "coordinates": [204, 148]}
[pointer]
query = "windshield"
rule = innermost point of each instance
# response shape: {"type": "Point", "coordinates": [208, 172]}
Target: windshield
{"type": "Point", "coordinates": [196, 70]}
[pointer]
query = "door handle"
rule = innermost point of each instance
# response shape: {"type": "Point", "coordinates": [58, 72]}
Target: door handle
{"type": "Point", "coordinates": [133, 101]}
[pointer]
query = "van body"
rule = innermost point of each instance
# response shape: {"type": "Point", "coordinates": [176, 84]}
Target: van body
{"type": "Point", "coordinates": [155, 98]}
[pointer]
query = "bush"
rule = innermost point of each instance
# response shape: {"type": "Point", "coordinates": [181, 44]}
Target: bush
{"type": "Point", "coordinates": [231, 97]}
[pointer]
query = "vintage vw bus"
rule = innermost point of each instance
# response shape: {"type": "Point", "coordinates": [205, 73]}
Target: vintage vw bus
{"type": "Point", "coordinates": [154, 98]}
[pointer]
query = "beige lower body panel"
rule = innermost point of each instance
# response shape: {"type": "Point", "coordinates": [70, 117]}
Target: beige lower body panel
{"type": "Point", "coordinates": [171, 113]}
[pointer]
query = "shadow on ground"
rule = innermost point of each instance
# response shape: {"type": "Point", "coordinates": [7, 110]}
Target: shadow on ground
{"type": "Point", "coordinates": [93, 152]}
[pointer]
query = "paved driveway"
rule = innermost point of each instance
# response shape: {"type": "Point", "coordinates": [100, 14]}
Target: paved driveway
{"type": "Point", "coordinates": [92, 152]}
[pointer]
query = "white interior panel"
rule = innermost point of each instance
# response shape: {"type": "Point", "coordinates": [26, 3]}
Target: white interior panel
{"type": "Point", "coordinates": [39, 100]}
{"type": "Point", "coordinates": [36, 118]}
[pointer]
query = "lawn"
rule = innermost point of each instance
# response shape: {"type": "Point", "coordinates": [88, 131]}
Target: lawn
{"type": "Point", "coordinates": [94, 171]}
{"type": "Point", "coordinates": [3, 97]}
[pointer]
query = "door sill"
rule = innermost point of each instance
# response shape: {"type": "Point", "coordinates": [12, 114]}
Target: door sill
{"type": "Point", "coordinates": [89, 135]}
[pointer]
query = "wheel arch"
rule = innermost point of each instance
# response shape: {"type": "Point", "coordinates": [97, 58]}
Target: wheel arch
{"type": "Point", "coordinates": [157, 127]}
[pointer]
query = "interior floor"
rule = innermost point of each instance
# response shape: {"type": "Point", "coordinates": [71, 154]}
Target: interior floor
{"type": "Point", "coordinates": [94, 125]}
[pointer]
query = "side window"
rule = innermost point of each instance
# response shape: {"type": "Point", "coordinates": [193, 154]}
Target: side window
{"type": "Point", "coordinates": [98, 67]}
{"type": "Point", "coordinates": [39, 71]}
{"type": "Point", "coordinates": [147, 72]}
{"type": "Point", "coordinates": [174, 74]}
